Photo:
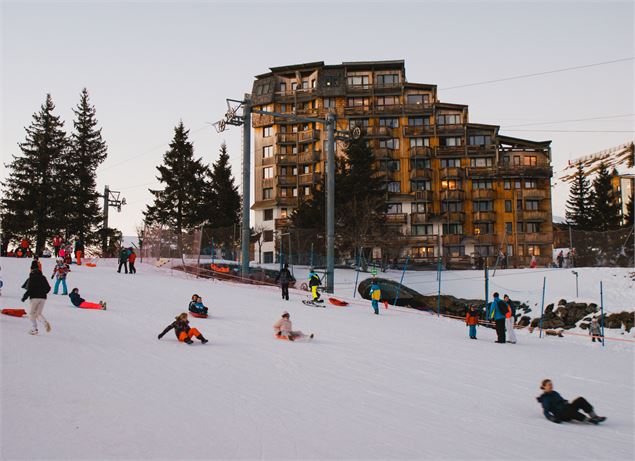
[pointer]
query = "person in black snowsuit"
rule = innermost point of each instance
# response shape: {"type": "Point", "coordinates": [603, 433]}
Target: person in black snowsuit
{"type": "Point", "coordinates": [123, 260]}
{"type": "Point", "coordinates": [183, 331]}
{"type": "Point", "coordinates": [285, 277]}
{"type": "Point", "coordinates": [314, 283]}
{"type": "Point", "coordinates": [556, 409]}
{"type": "Point", "coordinates": [37, 287]}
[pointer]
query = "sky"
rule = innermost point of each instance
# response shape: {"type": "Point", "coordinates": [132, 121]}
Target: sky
{"type": "Point", "coordinates": [148, 65]}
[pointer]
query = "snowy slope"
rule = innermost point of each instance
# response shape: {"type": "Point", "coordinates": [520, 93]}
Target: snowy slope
{"type": "Point", "coordinates": [395, 386]}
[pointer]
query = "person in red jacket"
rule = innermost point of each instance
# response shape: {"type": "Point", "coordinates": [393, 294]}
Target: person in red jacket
{"type": "Point", "coordinates": [132, 257]}
{"type": "Point", "coordinates": [57, 244]}
{"type": "Point", "coordinates": [471, 320]}
{"type": "Point", "coordinates": [24, 246]}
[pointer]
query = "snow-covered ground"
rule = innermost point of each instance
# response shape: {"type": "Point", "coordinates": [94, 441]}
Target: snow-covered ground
{"type": "Point", "coordinates": [402, 385]}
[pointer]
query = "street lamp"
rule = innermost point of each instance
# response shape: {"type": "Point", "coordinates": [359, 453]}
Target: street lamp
{"type": "Point", "coordinates": [576, 283]}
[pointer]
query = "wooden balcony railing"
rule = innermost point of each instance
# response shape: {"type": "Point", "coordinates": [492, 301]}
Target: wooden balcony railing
{"type": "Point", "coordinates": [452, 195]}
{"type": "Point", "coordinates": [309, 157]}
{"type": "Point", "coordinates": [541, 171]}
{"type": "Point", "coordinates": [286, 159]}
{"type": "Point", "coordinates": [423, 195]}
{"type": "Point", "coordinates": [414, 108]}
{"type": "Point", "coordinates": [456, 127]}
{"type": "Point", "coordinates": [396, 218]}
{"type": "Point", "coordinates": [309, 179]}
{"type": "Point", "coordinates": [388, 108]}
{"type": "Point", "coordinates": [282, 222]}
{"type": "Point", "coordinates": [421, 173]}
{"type": "Point", "coordinates": [286, 138]}
{"type": "Point", "coordinates": [453, 216]}
{"type": "Point", "coordinates": [287, 180]}
{"type": "Point", "coordinates": [420, 218]}
{"type": "Point", "coordinates": [451, 172]}
{"type": "Point", "coordinates": [418, 130]}
{"type": "Point", "coordinates": [538, 194]}
{"type": "Point", "coordinates": [286, 201]}
{"type": "Point", "coordinates": [535, 237]}
{"type": "Point", "coordinates": [450, 150]}
{"type": "Point", "coordinates": [484, 216]}
{"type": "Point", "coordinates": [534, 215]}
{"type": "Point", "coordinates": [421, 151]}
{"type": "Point", "coordinates": [309, 136]}
{"type": "Point", "coordinates": [380, 132]}
{"type": "Point", "coordinates": [483, 194]}
{"type": "Point", "coordinates": [267, 182]}
{"type": "Point", "coordinates": [384, 153]}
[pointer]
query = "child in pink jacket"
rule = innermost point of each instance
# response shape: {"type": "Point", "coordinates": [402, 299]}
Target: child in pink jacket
{"type": "Point", "coordinates": [284, 328]}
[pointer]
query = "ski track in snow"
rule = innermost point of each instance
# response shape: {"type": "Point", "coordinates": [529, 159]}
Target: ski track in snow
{"type": "Point", "coordinates": [400, 385]}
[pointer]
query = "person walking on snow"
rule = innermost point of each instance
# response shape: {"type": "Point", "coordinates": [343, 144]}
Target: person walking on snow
{"type": "Point", "coordinates": [497, 310]}
{"type": "Point", "coordinates": [314, 283]}
{"type": "Point", "coordinates": [123, 260]}
{"type": "Point", "coordinates": [560, 259]}
{"type": "Point", "coordinates": [78, 301]}
{"type": "Point", "coordinates": [132, 257]}
{"type": "Point", "coordinates": [284, 328]}
{"type": "Point", "coordinates": [61, 271]}
{"type": "Point", "coordinates": [595, 330]}
{"type": "Point", "coordinates": [184, 333]}
{"type": "Point", "coordinates": [37, 287]}
{"type": "Point", "coordinates": [510, 319]}
{"type": "Point", "coordinates": [284, 276]}
{"type": "Point", "coordinates": [471, 320]}
{"type": "Point", "coordinates": [556, 409]}
{"type": "Point", "coordinates": [375, 295]}
{"type": "Point", "coordinates": [79, 251]}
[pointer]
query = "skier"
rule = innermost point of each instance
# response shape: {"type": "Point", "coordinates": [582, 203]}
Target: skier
{"type": "Point", "coordinates": [57, 243]}
{"type": "Point", "coordinates": [510, 319]}
{"type": "Point", "coordinates": [132, 257]}
{"type": "Point", "coordinates": [556, 409]}
{"type": "Point", "coordinates": [61, 270]}
{"type": "Point", "coordinates": [196, 305]}
{"type": "Point", "coordinates": [497, 310]}
{"type": "Point", "coordinates": [595, 330]}
{"type": "Point", "coordinates": [284, 276]}
{"type": "Point", "coordinates": [78, 301]}
{"type": "Point", "coordinates": [123, 260]}
{"type": "Point", "coordinates": [183, 331]}
{"type": "Point", "coordinates": [314, 283]}
{"type": "Point", "coordinates": [284, 328]}
{"type": "Point", "coordinates": [79, 251]}
{"type": "Point", "coordinates": [375, 295]}
{"type": "Point", "coordinates": [37, 288]}
{"type": "Point", "coordinates": [471, 320]}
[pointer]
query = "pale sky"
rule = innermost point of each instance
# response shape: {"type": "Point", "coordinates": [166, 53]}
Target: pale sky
{"type": "Point", "coordinates": [149, 64]}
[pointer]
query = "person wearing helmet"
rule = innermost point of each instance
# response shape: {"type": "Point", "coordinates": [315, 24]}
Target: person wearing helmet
{"type": "Point", "coordinates": [314, 283]}
{"type": "Point", "coordinates": [61, 270]}
{"type": "Point", "coordinates": [284, 329]}
{"type": "Point", "coordinates": [184, 333]}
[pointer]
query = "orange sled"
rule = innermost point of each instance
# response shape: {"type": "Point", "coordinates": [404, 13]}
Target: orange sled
{"type": "Point", "coordinates": [14, 312]}
{"type": "Point", "coordinates": [90, 265]}
{"type": "Point", "coordinates": [200, 316]}
{"type": "Point", "coordinates": [337, 302]}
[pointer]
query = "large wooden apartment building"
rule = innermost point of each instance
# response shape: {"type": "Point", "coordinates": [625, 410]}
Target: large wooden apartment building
{"type": "Point", "coordinates": [457, 189]}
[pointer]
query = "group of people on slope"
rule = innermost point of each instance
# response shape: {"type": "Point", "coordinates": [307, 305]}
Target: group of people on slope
{"type": "Point", "coordinates": [565, 261]}
{"type": "Point", "coordinates": [503, 312]}
{"type": "Point", "coordinates": [127, 258]}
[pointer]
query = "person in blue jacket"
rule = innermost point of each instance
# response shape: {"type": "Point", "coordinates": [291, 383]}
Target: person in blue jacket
{"type": "Point", "coordinates": [497, 310]}
{"type": "Point", "coordinates": [556, 409]}
{"type": "Point", "coordinates": [375, 295]}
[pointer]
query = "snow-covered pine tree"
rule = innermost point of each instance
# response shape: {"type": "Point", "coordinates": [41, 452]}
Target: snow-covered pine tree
{"type": "Point", "coordinates": [605, 212]}
{"type": "Point", "coordinates": [177, 206]}
{"type": "Point", "coordinates": [223, 200]}
{"type": "Point", "coordinates": [579, 203]}
{"type": "Point", "coordinates": [88, 151]}
{"type": "Point", "coordinates": [31, 205]}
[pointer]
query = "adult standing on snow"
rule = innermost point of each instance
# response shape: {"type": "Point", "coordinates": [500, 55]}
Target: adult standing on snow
{"type": "Point", "coordinates": [556, 409]}
{"type": "Point", "coordinates": [497, 310]}
{"type": "Point", "coordinates": [37, 287]}
{"type": "Point", "coordinates": [510, 319]}
{"type": "Point", "coordinates": [79, 251]}
{"type": "Point", "coordinates": [560, 259]}
{"type": "Point", "coordinates": [61, 271]}
{"type": "Point", "coordinates": [284, 328]}
{"type": "Point", "coordinates": [132, 257]}
{"type": "Point", "coordinates": [284, 276]}
{"type": "Point", "coordinates": [123, 260]}
{"type": "Point", "coordinates": [57, 243]}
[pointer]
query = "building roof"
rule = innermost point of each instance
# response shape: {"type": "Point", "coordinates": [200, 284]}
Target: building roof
{"type": "Point", "coordinates": [319, 64]}
{"type": "Point", "coordinates": [520, 141]}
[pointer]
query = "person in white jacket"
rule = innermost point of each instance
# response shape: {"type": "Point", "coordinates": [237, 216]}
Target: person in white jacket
{"type": "Point", "coordinates": [510, 318]}
{"type": "Point", "coordinates": [284, 328]}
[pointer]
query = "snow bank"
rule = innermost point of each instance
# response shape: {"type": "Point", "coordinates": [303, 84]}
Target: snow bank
{"type": "Point", "coordinates": [402, 385]}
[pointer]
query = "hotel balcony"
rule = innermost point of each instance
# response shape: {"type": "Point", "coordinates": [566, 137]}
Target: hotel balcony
{"type": "Point", "coordinates": [484, 216]}
{"type": "Point", "coordinates": [420, 218]}
{"type": "Point", "coordinates": [396, 218]}
{"type": "Point", "coordinates": [388, 109]}
{"type": "Point", "coordinates": [423, 195]}
{"type": "Point", "coordinates": [450, 150]}
{"type": "Point", "coordinates": [483, 194]}
{"type": "Point", "coordinates": [417, 108]}
{"type": "Point", "coordinates": [453, 216]}
{"type": "Point", "coordinates": [452, 195]}
{"type": "Point", "coordinates": [451, 172]}
{"type": "Point", "coordinates": [309, 157]}
{"type": "Point", "coordinates": [486, 239]}
{"type": "Point", "coordinates": [309, 179]}
{"type": "Point", "coordinates": [384, 153]}
{"type": "Point", "coordinates": [286, 138]}
{"type": "Point", "coordinates": [539, 194]}
{"type": "Point", "coordinates": [452, 128]}
{"type": "Point", "coordinates": [287, 180]}
{"type": "Point", "coordinates": [481, 149]}
{"type": "Point", "coordinates": [363, 88]}
{"type": "Point", "coordinates": [538, 171]}
{"type": "Point", "coordinates": [534, 215]}
{"type": "Point", "coordinates": [418, 130]}
{"type": "Point", "coordinates": [356, 110]}
{"type": "Point", "coordinates": [268, 182]}
{"type": "Point", "coordinates": [282, 222]}
{"type": "Point", "coordinates": [420, 151]}
{"type": "Point", "coordinates": [286, 201]}
{"type": "Point", "coordinates": [535, 237]}
{"type": "Point", "coordinates": [380, 132]}
{"type": "Point", "coordinates": [421, 173]}
{"type": "Point", "coordinates": [308, 136]}
{"type": "Point", "coordinates": [286, 159]}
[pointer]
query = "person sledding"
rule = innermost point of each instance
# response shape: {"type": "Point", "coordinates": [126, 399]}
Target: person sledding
{"type": "Point", "coordinates": [556, 409]}
{"type": "Point", "coordinates": [184, 333]}
{"type": "Point", "coordinates": [196, 305]}
{"type": "Point", "coordinates": [284, 329]}
{"type": "Point", "coordinates": [314, 283]}
{"type": "Point", "coordinates": [80, 302]}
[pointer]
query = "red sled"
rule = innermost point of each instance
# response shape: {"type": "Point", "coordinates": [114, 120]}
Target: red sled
{"type": "Point", "coordinates": [199, 316]}
{"type": "Point", "coordinates": [14, 312]}
{"type": "Point", "coordinates": [337, 302]}
{"type": "Point", "coordinates": [283, 338]}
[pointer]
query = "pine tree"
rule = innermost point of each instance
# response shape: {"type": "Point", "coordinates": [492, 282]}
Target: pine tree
{"type": "Point", "coordinates": [605, 213]}
{"type": "Point", "coordinates": [223, 196]}
{"type": "Point", "coordinates": [88, 151]}
{"type": "Point", "coordinates": [578, 210]}
{"type": "Point", "coordinates": [177, 205]}
{"type": "Point", "coordinates": [31, 206]}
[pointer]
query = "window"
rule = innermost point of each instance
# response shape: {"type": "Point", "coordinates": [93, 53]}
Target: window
{"type": "Point", "coordinates": [388, 101]}
{"type": "Point", "coordinates": [507, 184]}
{"type": "Point", "coordinates": [305, 85]}
{"type": "Point", "coordinates": [517, 184]}
{"type": "Point", "coordinates": [283, 87]}
{"type": "Point", "coordinates": [519, 227]}
{"type": "Point", "coordinates": [313, 83]}
{"type": "Point", "coordinates": [267, 193]}
{"type": "Point", "coordinates": [451, 142]}
{"type": "Point", "coordinates": [267, 257]}
{"type": "Point", "coordinates": [483, 205]}
{"type": "Point", "coordinates": [306, 190]}
{"type": "Point", "coordinates": [453, 228]}
{"type": "Point", "coordinates": [392, 122]}
{"type": "Point", "coordinates": [482, 162]}
{"type": "Point", "coordinates": [394, 186]}
{"type": "Point", "coordinates": [454, 251]}
{"type": "Point", "coordinates": [263, 88]}
{"type": "Point", "coordinates": [449, 119]}
{"type": "Point", "coordinates": [417, 99]}
{"type": "Point", "coordinates": [419, 142]}
{"type": "Point", "coordinates": [532, 227]}
{"type": "Point", "coordinates": [419, 163]}
{"type": "Point", "coordinates": [294, 86]}
{"type": "Point", "coordinates": [329, 103]}
{"type": "Point", "coordinates": [422, 229]}
{"type": "Point", "coordinates": [479, 140]}
{"type": "Point", "coordinates": [450, 163]}
{"type": "Point", "coordinates": [419, 184]}
{"type": "Point", "coordinates": [423, 252]}
{"type": "Point", "coordinates": [519, 204]}
{"type": "Point", "coordinates": [485, 250]}
{"type": "Point", "coordinates": [331, 80]}
{"type": "Point", "coordinates": [481, 184]}
{"type": "Point", "coordinates": [533, 250]}
{"type": "Point", "coordinates": [509, 228]}
{"type": "Point", "coordinates": [388, 79]}
{"type": "Point", "coordinates": [516, 160]}
{"type": "Point", "coordinates": [357, 102]}
{"type": "Point", "coordinates": [360, 122]}
{"type": "Point", "coordinates": [510, 250]}
{"type": "Point", "coordinates": [531, 184]}
{"type": "Point", "coordinates": [506, 160]}
{"type": "Point", "coordinates": [483, 228]}
{"type": "Point", "coordinates": [452, 207]}
{"type": "Point", "coordinates": [508, 206]}
{"type": "Point", "coordinates": [357, 80]}
{"type": "Point", "coordinates": [532, 205]}
{"type": "Point", "coordinates": [284, 213]}
{"type": "Point", "coordinates": [419, 207]}
{"type": "Point", "coordinates": [530, 160]}
{"type": "Point", "coordinates": [451, 184]}
{"type": "Point", "coordinates": [267, 172]}
{"type": "Point", "coordinates": [389, 165]}
{"type": "Point", "coordinates": [306, 169]}
{"type": "Point", "coordinates": [288, 170]}
{"type": "Point", "coordinates": [394, 208]}
{"type": "Point", "coordinates": [418, 121]}
{"type": "Point", "coordinates": [391, 143]}
{"type": "Point", "coordinates": [267, 131]}
{"type": "Point", "coordinates": [267, 215]}
{"type": "Point", "coordinates": [267, 151]}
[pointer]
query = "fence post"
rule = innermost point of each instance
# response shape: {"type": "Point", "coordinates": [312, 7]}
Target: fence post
{"type": "Point", "coordinates": [311, 258]}
{"type": "Point", "coordinates": [602, 312]}
{"type": "Point", "coordinates": [486, 286]}
{"type": "Point", "coordinates": [542, 305]}
{"type": "Point", "coordinates": [401, 281]}
{"type": "Point", "coordinates": [356, 274]}
{"type": "Point", "coordinates": [212, 249]}
{"type": "Point", "coordinates": [439, 290]}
